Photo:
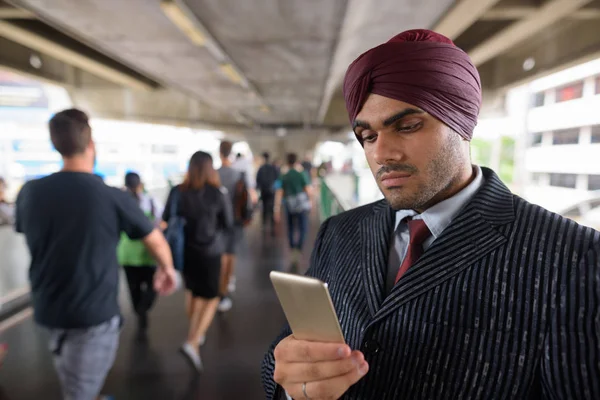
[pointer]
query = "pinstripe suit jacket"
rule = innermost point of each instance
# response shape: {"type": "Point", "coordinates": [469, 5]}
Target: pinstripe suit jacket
{"type": "Point", "coordinates": [505, 304]}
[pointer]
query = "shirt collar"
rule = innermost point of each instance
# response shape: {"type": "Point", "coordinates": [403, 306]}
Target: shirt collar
{"type": "Point", "coordinates": [438, 217]}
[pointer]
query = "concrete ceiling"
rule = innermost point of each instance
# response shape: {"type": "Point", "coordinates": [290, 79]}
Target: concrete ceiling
{"type": "Point", "coordinates": [292, 54]}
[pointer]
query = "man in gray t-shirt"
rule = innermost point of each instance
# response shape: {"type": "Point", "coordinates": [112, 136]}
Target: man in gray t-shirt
{"type": "Point", "coordinates": [229, 177]}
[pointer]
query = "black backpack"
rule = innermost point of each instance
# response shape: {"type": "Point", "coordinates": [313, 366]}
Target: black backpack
{"type": "Point", "coordinates": [242, 203]}
{"type": "Point", "coordinates": [267, 175]}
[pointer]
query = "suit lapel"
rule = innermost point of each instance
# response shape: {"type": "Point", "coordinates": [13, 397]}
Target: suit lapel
{"type": "Point", "coordinates": [376, 231]}
{"type": "Point", "coordinates": [471, 236]}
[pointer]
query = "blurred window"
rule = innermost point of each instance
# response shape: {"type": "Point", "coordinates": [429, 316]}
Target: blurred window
{"type": "Point", "coordinates": [596, 134]}
{"type": "Point", "coordinates": [538, 99]}
{"type": "Point", "coordinates": [566, 136]}
{"type": "Point", "coordinates": [569, 92]}
{"type": "Point", "coordinates": [536, 139]}
{"type": "Point", "coordinates": [594, 182]}
{"type": "Point", "coordinates": [563, 180]}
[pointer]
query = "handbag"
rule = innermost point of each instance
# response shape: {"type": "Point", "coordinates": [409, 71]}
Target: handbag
{"type": "Point", "coordinates": [297, 203]}
{"type": "Point", "coordinates": [175, 234]}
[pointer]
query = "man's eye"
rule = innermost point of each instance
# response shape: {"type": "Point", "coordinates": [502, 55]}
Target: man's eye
{"type": "Point", "coordinates": [369, 138]}
{"type": "Point", "coordinates": [409, 128]}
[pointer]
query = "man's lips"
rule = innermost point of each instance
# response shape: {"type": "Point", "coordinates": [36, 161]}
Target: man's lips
{"type": "Point", "coordinates": [394, 179]}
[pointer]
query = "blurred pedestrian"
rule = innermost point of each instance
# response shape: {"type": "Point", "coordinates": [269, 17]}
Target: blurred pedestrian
{"type": "Point", "coordinates": [137, 261]}
{"type": "Point", "coordinates": [208, 215]}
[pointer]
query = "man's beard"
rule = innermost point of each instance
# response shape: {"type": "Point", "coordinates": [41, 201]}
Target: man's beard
{"type": "Point", "coordinates": [442, 174]}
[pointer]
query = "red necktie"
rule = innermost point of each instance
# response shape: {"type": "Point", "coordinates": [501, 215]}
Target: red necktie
{"type": "Point", "coordinates": [418, 232]}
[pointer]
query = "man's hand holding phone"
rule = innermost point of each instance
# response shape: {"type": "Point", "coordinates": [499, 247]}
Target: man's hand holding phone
{"type": "Point", "coordinates": [317, 370]}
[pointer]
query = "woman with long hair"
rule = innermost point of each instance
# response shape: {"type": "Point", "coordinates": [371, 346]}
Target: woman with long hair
{"type": "Point", "coordinates": [137, 261]}
{"type": "Point", "coordinates": [208, 213]}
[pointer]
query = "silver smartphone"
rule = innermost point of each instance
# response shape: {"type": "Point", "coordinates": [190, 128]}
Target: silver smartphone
{"type": "Point", "coordinates": [307, 307]}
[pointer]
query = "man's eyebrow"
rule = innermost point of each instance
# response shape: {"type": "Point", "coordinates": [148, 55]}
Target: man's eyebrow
{"type": "Point", "coordinates": [409, 111]}
{"type": "Point", "coordinates": [389, 121]}
{"type": "Point", "coordinates": [362, 124]}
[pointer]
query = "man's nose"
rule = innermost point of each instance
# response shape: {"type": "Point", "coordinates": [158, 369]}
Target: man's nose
{"type": "Point", "coordinates": [387, 150]}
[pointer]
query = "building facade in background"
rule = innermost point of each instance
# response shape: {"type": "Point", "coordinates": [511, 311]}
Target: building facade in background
{"type": "Point", "coordinates": [562, 159]}
{"type": "Point", "coordinates": [159, 153]}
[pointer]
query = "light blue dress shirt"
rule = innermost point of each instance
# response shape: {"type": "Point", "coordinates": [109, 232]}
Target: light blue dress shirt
{"type": "Point", "coordinates": [437, 218]}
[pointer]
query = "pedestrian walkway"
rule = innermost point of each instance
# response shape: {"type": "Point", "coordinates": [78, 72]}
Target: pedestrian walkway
{"type": "Point", "coordinates": [232, 355]}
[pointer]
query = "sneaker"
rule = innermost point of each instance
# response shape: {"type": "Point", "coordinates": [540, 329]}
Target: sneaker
{"type": "Point", "coordinates": [231, 286]}
{"type": "Point", "coordinates": [202, 340]}
{"type": "Point", "coordinates": [225, 305]}
{"type": "Point", "coordinates": [192, 354]}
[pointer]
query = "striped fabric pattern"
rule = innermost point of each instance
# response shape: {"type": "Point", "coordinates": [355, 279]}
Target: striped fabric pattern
{"type": "Point", "coordinates": [504, 305]}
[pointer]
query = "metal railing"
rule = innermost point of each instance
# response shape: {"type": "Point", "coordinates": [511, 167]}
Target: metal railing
{"type": "Point", "coordinates": [330, 204]}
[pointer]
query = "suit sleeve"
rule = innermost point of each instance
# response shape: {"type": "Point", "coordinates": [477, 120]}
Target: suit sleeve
{"type": "Point", "coordinates": [272, 390]}
{"type": "Point", "coordinates": [571, 359]}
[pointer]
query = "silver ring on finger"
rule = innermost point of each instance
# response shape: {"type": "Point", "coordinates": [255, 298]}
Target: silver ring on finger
{"type": "Point", "coordinates": [304, 391]}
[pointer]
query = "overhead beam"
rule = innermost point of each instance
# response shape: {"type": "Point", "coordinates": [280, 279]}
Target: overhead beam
{"type": "Point", "coordinates": [586, 13]}
{"type": "Point", "coordinates": [551, 12]}
{"type": "Point", "coordinates": [520, 12]}
{"type": "Point", "coordinates": [15, 13]}
{"type": "Point", "coordinates": [16, 58]}
{"type": "Point", "coordinates": [63, 53]}
{"type": "Point", "coordinates": [331, 82]}
{"type": "Point", "coordinates": [16, 69]}
{"type": "Point", "coordinates": [190, 25]}
{"type": "Point", "coordinates": [462, 15]}
{"type": "Point", "coordinates": [504, 73]}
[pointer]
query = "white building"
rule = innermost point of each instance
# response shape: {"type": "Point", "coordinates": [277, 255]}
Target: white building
{"type": "Point", "coordinates": [562, 159]}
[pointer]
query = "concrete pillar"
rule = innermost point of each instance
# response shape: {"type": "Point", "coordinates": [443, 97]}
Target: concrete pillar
{"type": "Point", "coordinates": [547, 138]}
{"type": "Point", "coordinates": [589, 86]}
{"type": "Point", "coordinates": [544, 179]}
{"type": "Point", "coordinates": [550, 97]}
{"type": "Point", "coordinates": [585, 136]}
{"type": "Point", "coordinates": [582, 182]}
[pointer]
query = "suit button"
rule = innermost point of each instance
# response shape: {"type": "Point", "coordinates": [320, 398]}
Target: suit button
{"type": "Point", "coordinates": [371, 346]}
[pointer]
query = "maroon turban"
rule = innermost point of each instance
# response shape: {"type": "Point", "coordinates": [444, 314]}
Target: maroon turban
{"type": "Point", "coordinates": [422, 68]}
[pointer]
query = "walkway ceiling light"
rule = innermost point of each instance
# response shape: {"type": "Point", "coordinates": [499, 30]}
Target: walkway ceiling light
{"type": "Point", "coordinates": [185, 20]}
{"type": "Point", "coordinates": [232, 73]}
{"type": "Point", "coordinates": [529, 64]}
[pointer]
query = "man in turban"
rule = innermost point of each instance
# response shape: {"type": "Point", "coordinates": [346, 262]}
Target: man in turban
{"type": "Point", "coordinates": [452, 287]}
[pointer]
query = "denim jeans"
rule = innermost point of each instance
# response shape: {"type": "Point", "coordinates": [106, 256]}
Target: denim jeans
{"type": "Point", "coordinates": [297, 223]}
